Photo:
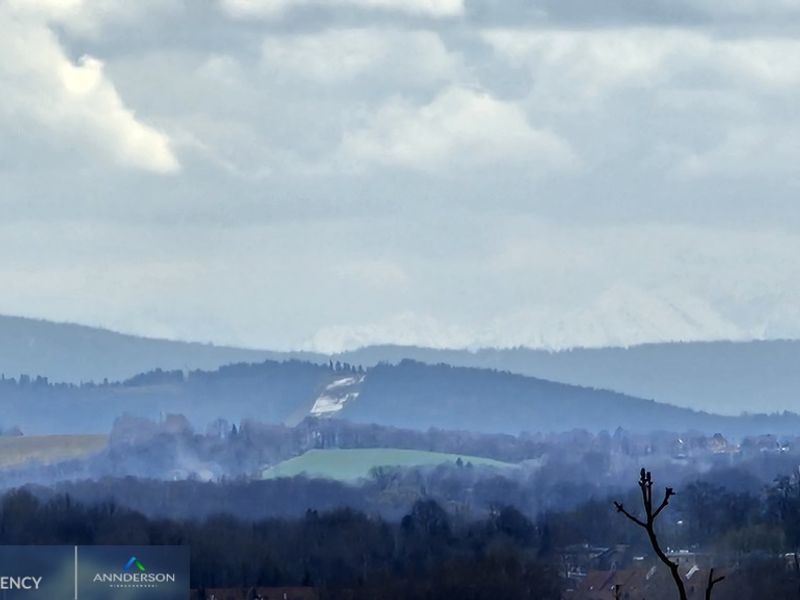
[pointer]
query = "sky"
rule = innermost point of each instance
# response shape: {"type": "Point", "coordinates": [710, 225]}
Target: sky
{"type": "Point", "coordinates": [325, 174]}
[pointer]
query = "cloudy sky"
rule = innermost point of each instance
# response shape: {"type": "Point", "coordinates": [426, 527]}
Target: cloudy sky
{"type": "Point", "coordinates": [329, 173]}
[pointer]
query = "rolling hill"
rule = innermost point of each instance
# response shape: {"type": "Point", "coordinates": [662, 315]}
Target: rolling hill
{"type": "Point", "coordinates": [410, 394]}
{"type": "Point", "coordinates": [269, 391]}
{"type": "Point", "coordinates": [46, 449]}
{"type": "Point", "coordinates": [418, 396]}
{"type": "Point", "coordinates": [70, 353]}
{"type": "Point", "coordinates": [353, 464]}
{"type": "Point", "coordinates": [719, 377]}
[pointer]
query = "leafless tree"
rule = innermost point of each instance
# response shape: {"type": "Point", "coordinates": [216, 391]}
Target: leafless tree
{"type": "Point", "coordinates": [712, 581]}
{"type": "Point", "coordinates": [651, 513]}
{"type": "Point", "coordinates": [618, 591]}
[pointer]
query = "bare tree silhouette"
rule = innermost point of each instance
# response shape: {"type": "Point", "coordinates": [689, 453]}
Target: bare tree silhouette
{"type": "Point", "coordinates": [618, 591]}
{"type": "Point", "coordinates": [712, 581]}
{"type": "Point", "coordinates": [651, 513]}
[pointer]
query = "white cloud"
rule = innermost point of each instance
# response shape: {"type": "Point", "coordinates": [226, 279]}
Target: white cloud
{"type": "Point", "coordinates": [575, 70]}
{"type": "Point", "coordinates": [72, 99]}
{"type": "Point", "coordinates": [747, 8]}
{"type": "Point", "coordinates": [276, 8]}
{"type": "Point", "coordinates": [89, 17]}
{"type": "Point", "coordinates": [746, 151]}
{"type": "Point", "coordinates": [341, 55]}
{"type": "Point", "coordinates": [535, 283]}
{"type": "Point", "coordinates": [459, 127]}
{"type": "Point", "coordinates": [406, 328]}
{"type": "Point", "coordinates": [726, 96]}
{"type": "Point", "coordinates": [373, 273]}
{"type": "Point", "coordinates": [621, 315]}
{"type": "Point", "coordinates": [553, 287]}
{"type": "Point", "coordinates": [430, 242]}
{"type": "Point", "coordinates": [589, 65]}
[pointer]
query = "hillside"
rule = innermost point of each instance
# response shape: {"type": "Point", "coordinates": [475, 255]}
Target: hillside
{"type": "Point", "coordinates": [410, 395]}
{"type": "Point", "coordinates": [719, 377]}
{"type": "Point", "coordinates": [46, 449]}
{"type": "Point", "coordinates": [418, 396]}
{"type": "Point", "coordinates": [352, 464]}
{"type": "Point", "coordinates": [75, 353]}
{"type": "Point", "coordinates": [271, 392]}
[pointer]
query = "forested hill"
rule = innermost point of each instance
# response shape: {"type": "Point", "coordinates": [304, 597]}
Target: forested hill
{"type": "Point", "coordinates": [417, 395]}
{"type": "Point", "coordinates": [719, 377]}
{"type": "Point", "coordinates": [76, 353]}
{"type": "Point", "coordinates": [410, 394]}
{"type": "Point", "coordinates": [271, 392]}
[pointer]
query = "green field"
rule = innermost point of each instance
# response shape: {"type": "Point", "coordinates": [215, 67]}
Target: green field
{"type": "Point", "coordinates": [47, 449]}
{"type": "Point", "coordinates": [349, 465]}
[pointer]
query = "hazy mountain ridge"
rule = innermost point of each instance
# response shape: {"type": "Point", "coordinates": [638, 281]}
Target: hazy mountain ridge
{"type": "Point", "coordinates": [718, 377]}
{"type": "Point", "coordinates": [273, 392]}
{"type": "Point", "coordinates": [417, 395]}
{"type": "Point", "coordinates": [410, 394]}
{"type": "Point", "coordinates": [70, 353]}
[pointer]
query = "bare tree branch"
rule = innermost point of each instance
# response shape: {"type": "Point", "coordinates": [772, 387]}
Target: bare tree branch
{"type": "Point", "coordinates": [646, 487]}
{"type": "Point", "coordinates": [621, 509]}
{"type": "Point", "coordinates": [712, 581]}
{"type": "Point", "coordinates": [667, 495]}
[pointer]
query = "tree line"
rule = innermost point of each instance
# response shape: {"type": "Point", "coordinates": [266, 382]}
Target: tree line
{"type": "Point", "coordinates": [499, 553]}
{"type": "Point", "coordinates": [343, 553]}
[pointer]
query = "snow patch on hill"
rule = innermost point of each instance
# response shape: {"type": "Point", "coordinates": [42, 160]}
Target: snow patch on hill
{"type": "Point", "coordinates": [335, 395]}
